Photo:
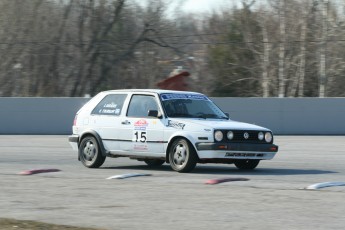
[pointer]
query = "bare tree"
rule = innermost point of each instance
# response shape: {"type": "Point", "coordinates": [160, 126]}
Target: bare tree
{"type": "Point", "coordinates": [322, 82]}
{"type": "Point", "coordinates": [282, 41]}
{"type": "Point", "coordinates": [297, 87]}
{"type": "Point", "coordinates": [76, 47]}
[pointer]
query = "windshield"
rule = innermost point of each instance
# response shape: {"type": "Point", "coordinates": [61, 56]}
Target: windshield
{"type": "Point", "coordinates": [190, 106]}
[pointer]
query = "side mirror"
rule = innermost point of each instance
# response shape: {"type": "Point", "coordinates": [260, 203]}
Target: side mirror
{"type": "Point", "coordinates": [154, 113]}
{"type": "Point", "coordinates": [227, 115]}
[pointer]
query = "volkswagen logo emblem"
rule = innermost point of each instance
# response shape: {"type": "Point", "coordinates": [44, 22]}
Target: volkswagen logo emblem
{"type": "Point", "coordinates": [246, 135]}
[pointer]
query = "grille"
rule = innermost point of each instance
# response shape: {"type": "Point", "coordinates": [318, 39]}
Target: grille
{"type": "Point", "coordinates": [239, 136]}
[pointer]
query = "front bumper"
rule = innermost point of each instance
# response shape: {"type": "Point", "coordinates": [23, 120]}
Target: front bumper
{"type": "Point", "coordinates": [73, 141]}
{"type": "Point", "coordinates": [222, 150]}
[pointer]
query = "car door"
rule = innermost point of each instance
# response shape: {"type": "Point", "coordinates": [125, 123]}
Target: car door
{"type": "Point", "coordinates": [141, 134]}
{"type": "Point", "coordinates": [105, 118]}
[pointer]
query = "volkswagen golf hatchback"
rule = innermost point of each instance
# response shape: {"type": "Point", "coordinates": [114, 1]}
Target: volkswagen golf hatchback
{"type": "Point", "coordinates": [157, 126]}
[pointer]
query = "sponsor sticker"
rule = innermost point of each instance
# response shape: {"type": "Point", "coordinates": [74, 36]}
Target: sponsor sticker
{"type": "Point", "coordinates": [141, 124]}
{"type": "Point", "coordinates": [140, 147]}
{"type": "Point", "coordinates": [175, 124]}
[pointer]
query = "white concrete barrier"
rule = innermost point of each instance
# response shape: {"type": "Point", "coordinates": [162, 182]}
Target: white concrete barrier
{"type": "Point", "coordinates": [284, 116]}
{"type": "Point", "coordinates": [38, 115]}
{"type": "Point", "coordinates": [289, 116]}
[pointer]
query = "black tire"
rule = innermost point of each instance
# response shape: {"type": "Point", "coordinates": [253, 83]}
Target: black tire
{"type": "Point", "coordinates": [182, 156]}
{"type": "Point", "coordinates": [154, 163]}
{"type": "Point", "coordinates": [89, 152]}
{"type": "Point", "coordinates": [246, 164]}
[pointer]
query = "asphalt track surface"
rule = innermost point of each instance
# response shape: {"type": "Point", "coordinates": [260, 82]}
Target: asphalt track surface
{"type": "Point", "coordinates": [272, 198]}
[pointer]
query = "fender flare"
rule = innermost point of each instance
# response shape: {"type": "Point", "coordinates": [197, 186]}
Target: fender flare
{"type": "Point", "coordinates": [93, 133]}
{"type": "Point", "coordinates": [174, 137]}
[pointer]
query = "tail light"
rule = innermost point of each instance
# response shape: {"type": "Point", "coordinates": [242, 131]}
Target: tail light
{"type": "Point", "coordinates": [75, 120]}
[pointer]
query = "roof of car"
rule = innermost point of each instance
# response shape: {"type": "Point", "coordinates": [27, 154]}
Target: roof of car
{"type": "Point", "coordinates": [159, 91]}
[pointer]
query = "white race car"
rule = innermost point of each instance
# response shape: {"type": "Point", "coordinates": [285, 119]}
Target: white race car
{"type": "Point", "coordinates": [158, 126]}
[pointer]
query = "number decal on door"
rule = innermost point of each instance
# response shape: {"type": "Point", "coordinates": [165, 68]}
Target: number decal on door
{"type": "Point", "coordinates": [140, 136]}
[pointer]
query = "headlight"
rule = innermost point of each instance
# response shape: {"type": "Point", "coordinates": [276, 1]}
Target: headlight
{"type": "Point", "coordinates": [268, 137]}
{"type": "Point", "coordinates": [230, 135]}
{"type": "Point", "coordinates": [218, 135]}
{"type": "Point", "coordinates": [261, 136]}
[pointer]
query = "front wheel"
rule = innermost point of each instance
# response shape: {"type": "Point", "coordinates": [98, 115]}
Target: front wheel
{"type": "Point", "coordinates": [182, 156]}
{"type": "Point", "coordinates": [247, 164]}
{"type": "Point", "coordinates": [89, 153]}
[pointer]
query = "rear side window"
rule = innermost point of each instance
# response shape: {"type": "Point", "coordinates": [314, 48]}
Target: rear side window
{"type": "Point", "coordinates": [110, 105]}
{"type": "Point", "coordinates": [140, 105]}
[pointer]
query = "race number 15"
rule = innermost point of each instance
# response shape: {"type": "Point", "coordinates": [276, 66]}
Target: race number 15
{"type": "Point", "coordinates": [140, 136]}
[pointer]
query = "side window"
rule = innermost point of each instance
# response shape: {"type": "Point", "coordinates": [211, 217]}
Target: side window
{"type": "Point", "coordinates": [140, 105]}
{"type": "Point", "coordinates": [110, 105]}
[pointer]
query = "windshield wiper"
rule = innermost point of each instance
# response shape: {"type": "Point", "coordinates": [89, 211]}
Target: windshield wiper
{"type": "Point", "coordinates": [180, 115]}
{"type": "Point", "coordinates": [206, 115]}
{"type": "Point", "coordinates": [210, 115]}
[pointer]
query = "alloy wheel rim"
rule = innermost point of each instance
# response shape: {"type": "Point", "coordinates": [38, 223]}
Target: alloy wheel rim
{"type": "Point", "coordinates": [89, 151]}
{"type": "Point", "coordinates": [180, 155]}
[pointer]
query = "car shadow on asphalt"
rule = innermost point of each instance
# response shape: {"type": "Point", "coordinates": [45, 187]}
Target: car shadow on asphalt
{"type": "Point", "coordinates": [227, 170]}
{"type": "Point", "coordinates": [260, 171]}
{"type": "Point", "coordinates": [162, 168]}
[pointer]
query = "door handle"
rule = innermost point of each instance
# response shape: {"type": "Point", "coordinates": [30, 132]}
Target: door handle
{"type": "Point", "coordinates": [126, 122]}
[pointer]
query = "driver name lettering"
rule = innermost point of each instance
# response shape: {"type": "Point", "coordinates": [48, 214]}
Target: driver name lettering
{"type": "Point", "coordinates": [107, 111]}
{"type": "Point", "coordinates": [110, 105]}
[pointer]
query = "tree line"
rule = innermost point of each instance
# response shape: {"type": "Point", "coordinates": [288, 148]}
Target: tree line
{"type": "Point", "coordinates": [273, 48]}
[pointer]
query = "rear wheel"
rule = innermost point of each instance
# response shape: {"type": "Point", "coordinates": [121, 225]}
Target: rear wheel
{"type": "Point", "coordinates": [246, 164]}
{"type": "Point", "coordinates": [154, 163]}
{"type": "Point", "coordinates": [90, 153]}
{"type": "Point", "coordinates": [182, 156]}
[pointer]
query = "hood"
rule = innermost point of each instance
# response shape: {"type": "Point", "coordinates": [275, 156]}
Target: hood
{"type": "Point", "coordinates": [220, 124]}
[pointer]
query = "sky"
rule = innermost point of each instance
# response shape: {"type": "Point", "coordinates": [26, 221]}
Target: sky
{"type": "Point", "coordinates": [203, 6]}
{"type": "Point", "coordinates": [197, 6]}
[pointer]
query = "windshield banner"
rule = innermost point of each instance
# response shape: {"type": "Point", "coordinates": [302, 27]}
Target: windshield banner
{"type": "Point", "coordinates": [173, 96]}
